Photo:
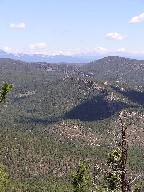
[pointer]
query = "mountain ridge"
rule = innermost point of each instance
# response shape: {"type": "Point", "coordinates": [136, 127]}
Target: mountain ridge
{"type": "Point", "coordinates": [58, 58]}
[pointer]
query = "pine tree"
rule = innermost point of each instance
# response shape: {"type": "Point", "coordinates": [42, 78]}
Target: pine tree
{"type": "Point", "coordinates": [81, 179]}
{"type": "Point", "coordinates": [4, 90]}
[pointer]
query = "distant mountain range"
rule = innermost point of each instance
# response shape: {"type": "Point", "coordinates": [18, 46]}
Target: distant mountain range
{"type": "Point", "coordinates": [78, 58]}
{"type": "Point", "coordinates": [48, 58]}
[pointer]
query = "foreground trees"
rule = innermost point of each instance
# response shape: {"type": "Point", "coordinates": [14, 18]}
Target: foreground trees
{"type": "Point", "coordinates": [115, 176]}
{"type": "Point", "coordinates": [4, 90]}
{"type": "Point", "coordinates": [3, 178]}
{"type": "Point", "coordinates": [81, 179]}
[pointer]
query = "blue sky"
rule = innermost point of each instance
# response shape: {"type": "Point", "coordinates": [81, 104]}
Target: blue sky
{"type": "Point", "coordinates": [72, 26]}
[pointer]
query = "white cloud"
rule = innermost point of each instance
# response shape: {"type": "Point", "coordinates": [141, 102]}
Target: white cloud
{"type": "Point", "coordinates": [101, 50]}
{"type": "Point", "coordinates": [38, 46]}
{"type": "Point", "coordinates": [17, 25]}
{"type": "Point", "coordinates": [86, 51]}
{"type": "Point", "coordinates": [115, 36]}
{"type": "Point", "coordinates": [10, 50]}
{"type": "Point", "coordinates": [7, 49]}
{"type": "Point", "coordinates": [137, 18]}
{"type": "Point", "coordinates": [121, 50]}
{"type": "Point", "coordinates": [77, 51]}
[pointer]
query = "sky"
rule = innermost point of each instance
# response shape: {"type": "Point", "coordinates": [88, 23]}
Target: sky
{"type": "Point", "coordinates": [72, 27]}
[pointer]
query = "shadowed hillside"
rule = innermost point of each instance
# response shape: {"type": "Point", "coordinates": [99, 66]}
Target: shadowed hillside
{"type": "Point", "coordinates": [97, 108]}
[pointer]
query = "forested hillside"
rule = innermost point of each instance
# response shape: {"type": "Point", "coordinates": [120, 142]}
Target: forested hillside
{"type": "Point", "coordinates": [117, 69]}
{"type": "Point", "coordinates": [60, 114]}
